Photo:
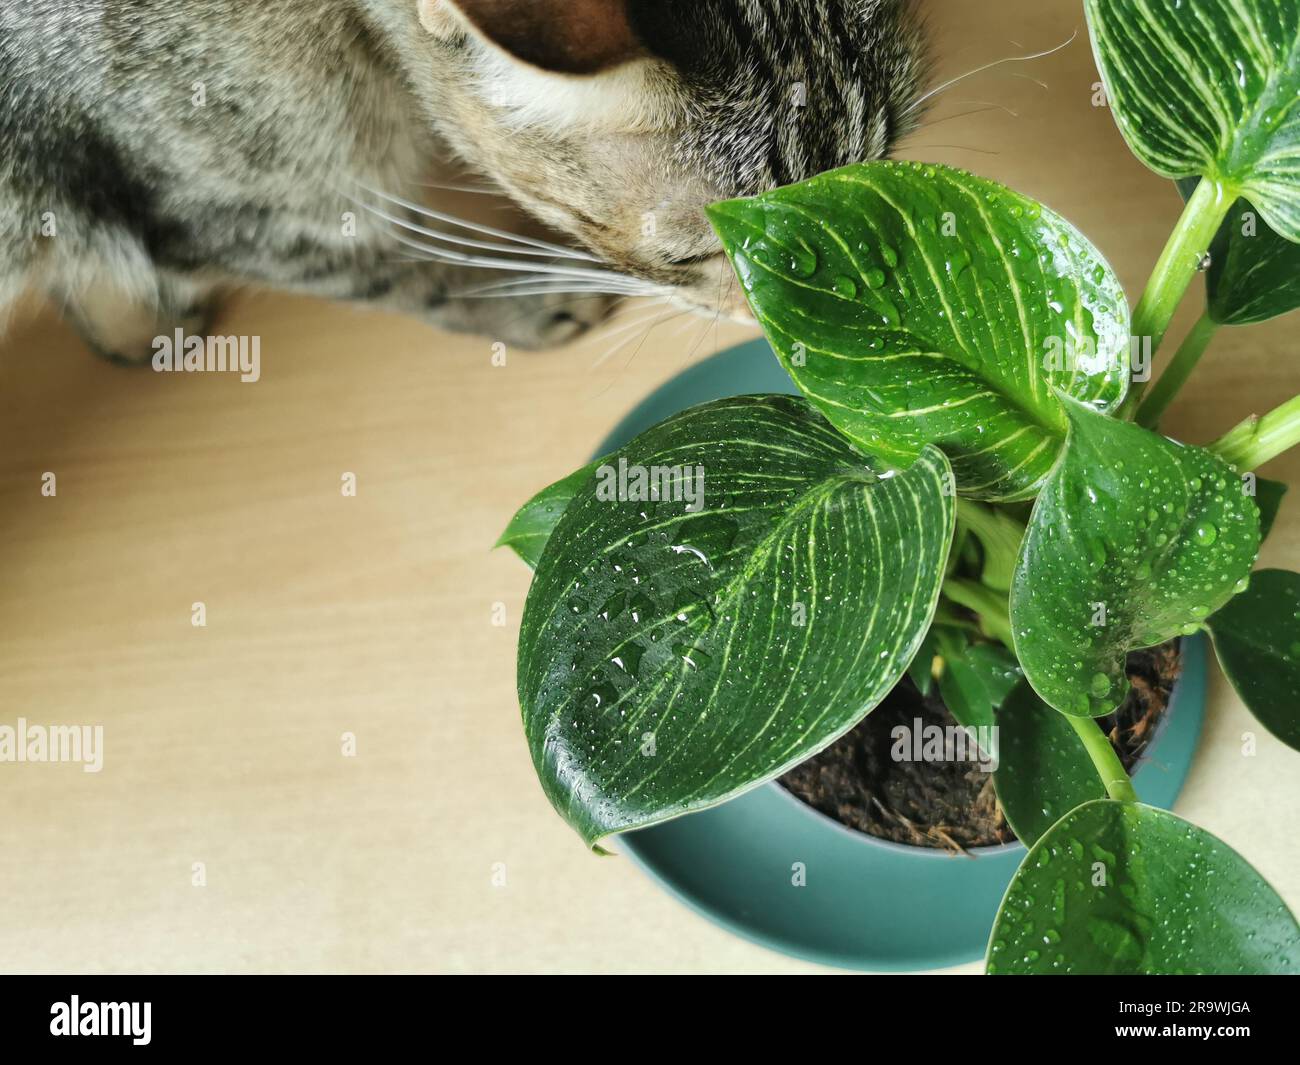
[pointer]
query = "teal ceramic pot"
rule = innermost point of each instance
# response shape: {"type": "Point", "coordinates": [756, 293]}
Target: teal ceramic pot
{"type": "Point", "coordinates": [866, 903]}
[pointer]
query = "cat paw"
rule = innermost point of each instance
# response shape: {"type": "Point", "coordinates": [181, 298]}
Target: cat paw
{"type": "Point", "coordinates": [123, 331]}
{"type": "Point", "coordinates": [561, 319]}
{"type": "Point", "coordinates": [532, 323]}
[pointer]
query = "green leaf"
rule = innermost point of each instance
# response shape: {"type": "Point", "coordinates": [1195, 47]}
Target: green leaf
{"type": "Point", "coordinates": [1257, 637]}
{"type": "Point", "coordinates": [977, 681]}
{"type": "Point", "coordinates": [1254, 274]}
{"type": "Point", "coordinates": [1124, 888]}
{"type": "Point", "coordinates": [922, 668]}
{"type": "Point", "coordinates": [532, 526]}
{"type": "Point", "coordinates": [1251, 278]}
{"type": "Point", "coordinates": [1209, 89]}
{"type": "Point", "coordinates": [999, 535]}
{"type": "Point", "coordinates": [1043, 770]}
{"type": "Point", "coordinates": [920, 305]}
{"type": "Point", "coordinates": [948, 638]}
{"type": "Point", "coordinates": [990, 607]}
{"type": "Point", "coordinates": [671, 658]}
{"type": "Point", "coordinates": [1134, 540]}
{"type": "Point", "coordinates": [1268, 497]}
{"type": "Point", "coordinates": [951, 640]}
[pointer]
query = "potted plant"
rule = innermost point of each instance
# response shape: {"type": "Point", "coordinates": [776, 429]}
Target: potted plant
{"type": "Point", "coordinates": [969, 495]}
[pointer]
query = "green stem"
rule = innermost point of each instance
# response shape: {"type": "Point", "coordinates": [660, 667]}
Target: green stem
{"type": "Point", "coordinates": [1109, 767]}
{"type": "Point", "coordinates": [1000, 536]}
{"type": "Point", "coordinates": [991, 606]}
{"type": "Point", "coordinates": [1176, 267]}
{"type": "Point", "coordinates": [1256, 440]}
{"type": "Point", "coordinates": [994, 612]}
{"type": "Point", "coordinates": [1178, 371]}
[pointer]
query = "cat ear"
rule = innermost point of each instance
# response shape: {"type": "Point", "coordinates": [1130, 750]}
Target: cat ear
{"type": "Point", "coordinates": [563, 36]}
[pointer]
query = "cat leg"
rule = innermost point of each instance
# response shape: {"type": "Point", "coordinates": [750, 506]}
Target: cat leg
{"type": "Point", "coordinates": [121, 324]}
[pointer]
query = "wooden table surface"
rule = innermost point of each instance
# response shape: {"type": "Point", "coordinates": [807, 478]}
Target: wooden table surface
{"type": "Point", "coordinates": [374, 615]}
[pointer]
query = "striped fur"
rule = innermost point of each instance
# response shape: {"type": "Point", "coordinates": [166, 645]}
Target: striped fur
{"type": "Point", "coordinates": [153, 153]}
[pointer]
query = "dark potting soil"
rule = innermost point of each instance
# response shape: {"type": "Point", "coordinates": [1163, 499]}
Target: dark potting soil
{"type": "Point", "coordinates": [951, 804]}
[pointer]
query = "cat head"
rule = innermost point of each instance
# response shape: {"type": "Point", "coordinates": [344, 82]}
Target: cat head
{"type": "Point", "coordinates": [618, 121]}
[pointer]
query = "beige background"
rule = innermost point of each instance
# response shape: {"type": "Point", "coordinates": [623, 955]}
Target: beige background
{"type": "Point", "coordinates": [373, 615]}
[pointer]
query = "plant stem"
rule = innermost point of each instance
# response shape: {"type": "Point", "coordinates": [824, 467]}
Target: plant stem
{"type": "Point", "coordinates": [1000, 536]}
{"type": "Point", "coordinates": [994, 613]}
{"type": "Point", "coordinates": [1178, 371]}
{"type": "Point", "coordinates": [1109, 767]}
{"type": "Point", "coordinates": [991, 607]}
{"type": "Point", "coordinates": [1177, 265]}
{"type": "Point", "coordinates": [1256, 440]}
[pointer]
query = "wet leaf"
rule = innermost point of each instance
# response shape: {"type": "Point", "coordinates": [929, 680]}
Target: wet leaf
{"type": "Point", "coordinates": [977, 681]}
{"type": "Point", "coordinates": [1119, 887]}
{"type": "Point", "coordinates": [1134, 540]}
{"type": "Point", "coordinates": [531, 527]}
{"type": "Point", "coordinates": [1209, 88]}
{"type": "Point", "coordinates": [1254, 274]}
{"type": "Point", "coordinates": [920, 305]}
{"type": "Point", "coordinates": [1257, 637]}
{"type": "Point", "coordinates": [1043, 770]}
{"type": "Point", "coordinates": [671, 658]}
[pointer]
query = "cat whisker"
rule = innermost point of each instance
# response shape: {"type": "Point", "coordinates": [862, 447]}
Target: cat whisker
{"type": "Point", "coordinates": [624, 327]}
{"type": "Point", "coordinates": [579, 292]}
{"type": "Point", "coordinates": [953, 147]}
{"type": "Point", "coordinates": [489, 191]}
{"type": "Point", "coordinates": [1028, 77]}
{"type": "Point", "coordinates": [711, 324]}
{"type": "Point", "coordinates": [631, 307]}
{"type": "Point", "coordinates": [451, 255]}
{"type": "Point", "coordinates": [966, 114]}
{"type": "Point", "coordinates": [625, 286]}
{"type": "Point", "coordinates": [451, 238]}
{"type": "Point", "coordinates": [562, 273]}
{"type": "Point", "coordinates": [517, 266]}
{"type": "Point", "coordinates": [620, 286]}
{"type": "Point", "coordinates": [645, 331]}
{"type": "Point", "coordinates": [553, 291]}
{"type": "Point", "coordinates": [989, 66]}
{"type": "Point", "coordinates": [478, 227]}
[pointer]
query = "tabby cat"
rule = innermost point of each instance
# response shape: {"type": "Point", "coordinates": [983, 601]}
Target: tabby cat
{"type": "Point", "coordinates": [155, 152]}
